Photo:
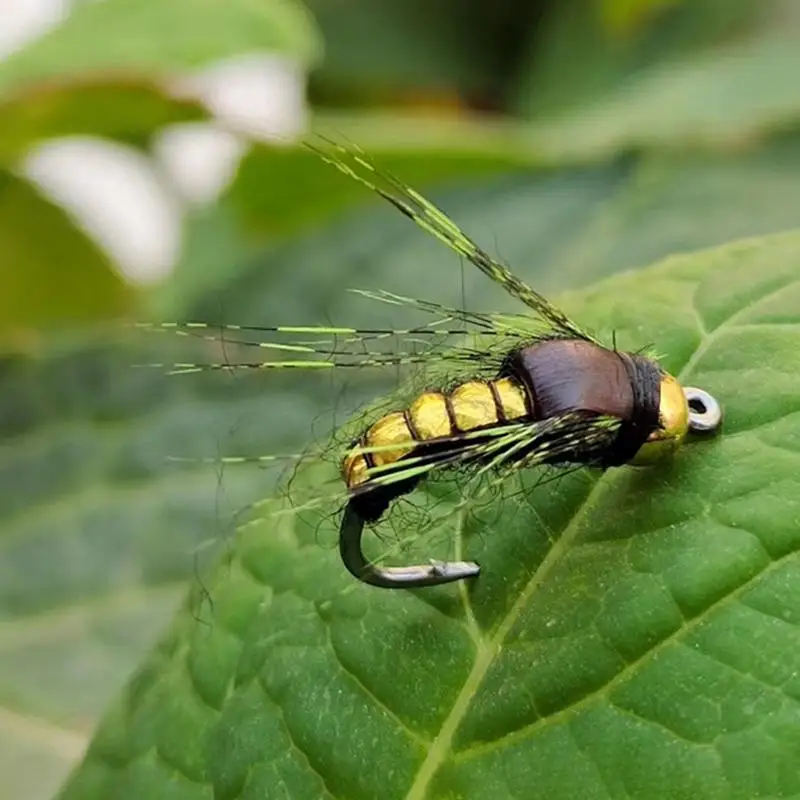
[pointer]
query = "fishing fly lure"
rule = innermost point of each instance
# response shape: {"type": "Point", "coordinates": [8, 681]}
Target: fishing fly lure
{"type": "Point", "coordinates": [538, 390]}
{"type": "Point", "coordinates": [557, 396]}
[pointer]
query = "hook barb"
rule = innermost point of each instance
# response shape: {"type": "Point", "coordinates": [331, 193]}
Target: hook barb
{"type": "Point", "coordinates": [411, 577]}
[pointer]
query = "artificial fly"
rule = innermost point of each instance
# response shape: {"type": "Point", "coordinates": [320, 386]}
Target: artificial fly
{"type": "Point", "coordinates": [541, 391]}
{"type": "Point", "coordinates": [557, 397]}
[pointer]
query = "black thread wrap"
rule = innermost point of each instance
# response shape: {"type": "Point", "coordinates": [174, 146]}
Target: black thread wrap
{"type": "Point", "coordinates": [645, 377]}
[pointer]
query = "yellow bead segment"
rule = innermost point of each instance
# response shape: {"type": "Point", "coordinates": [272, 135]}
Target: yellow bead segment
{"type": "Point", "coordinates": [354, 468]}
{"type": "Point", "coordinates": [387, 441]}
{"type": "Point", "coordinates": [512, 398]}
{"type": "Point", "coordinates": [429, 416]}
{"type": "Point", "coordinates": [392, 435]}
{"type": "Point", "coordinates": [473, 406]}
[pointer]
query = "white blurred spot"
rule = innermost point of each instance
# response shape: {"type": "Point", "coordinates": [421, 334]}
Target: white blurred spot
{"type": "Point", "coordinates": [115, 195]}
{"type": "Point", "coordinates": [200, 159]}
{"type": "Point", "coordinates": [131, 205]}
{"type": "Point", "coordinates": [262, 96]}
{"type": "Point", "coordinates": [24, 20]}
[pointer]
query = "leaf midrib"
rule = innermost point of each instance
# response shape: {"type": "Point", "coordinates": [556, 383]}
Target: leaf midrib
{"type": "Point", "coordinates": [486, 651]}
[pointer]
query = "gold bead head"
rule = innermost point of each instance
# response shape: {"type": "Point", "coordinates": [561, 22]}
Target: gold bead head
{"type": "Point", "coordinates": [673, 424]}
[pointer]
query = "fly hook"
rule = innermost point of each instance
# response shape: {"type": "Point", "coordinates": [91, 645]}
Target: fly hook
{"type": "Point", "coordinates": [412, 577]}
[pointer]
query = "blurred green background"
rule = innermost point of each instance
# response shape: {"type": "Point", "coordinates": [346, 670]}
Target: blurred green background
{"type": "Point", "coordinates": [574, 139]}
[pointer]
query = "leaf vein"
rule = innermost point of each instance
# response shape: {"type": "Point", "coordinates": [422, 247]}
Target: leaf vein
{"type": "Point", "coordinates": [371, 695]}
{"type": "Point", "coordinates": [293, 742]}
{"type": "Point", "coordinates": [658, 723]}
{"type": "Point", "coordinates": [624, 674]}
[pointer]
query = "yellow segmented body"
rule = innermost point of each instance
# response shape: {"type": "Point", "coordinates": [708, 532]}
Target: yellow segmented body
{"type": "Point", "coordinates": [435, 415]}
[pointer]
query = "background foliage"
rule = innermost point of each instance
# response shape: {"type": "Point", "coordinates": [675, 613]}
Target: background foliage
{"type": "Point", "coordinates": [576, 140]}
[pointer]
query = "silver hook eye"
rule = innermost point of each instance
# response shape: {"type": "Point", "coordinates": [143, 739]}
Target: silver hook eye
{"type": "Point", "coordinates": [705, 413]}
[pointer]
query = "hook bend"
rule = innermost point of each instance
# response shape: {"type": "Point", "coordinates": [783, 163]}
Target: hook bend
{"type": "Point", "coordinates": [411, 577]}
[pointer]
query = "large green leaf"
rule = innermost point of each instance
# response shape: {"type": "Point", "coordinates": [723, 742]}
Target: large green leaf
{"type": "Point", "coordinates": [137, 39]}
{"type": "Point", "coordinates": [99, 530]}
{"type": "Point", "coordinates": [633, 634]}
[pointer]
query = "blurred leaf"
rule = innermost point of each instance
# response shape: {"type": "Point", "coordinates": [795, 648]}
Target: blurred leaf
{"type": "Point", "coordinates": [99, 74]}
{"type": "Point", "coordinates": [50, 273]}
{"type": "Point", "coordinates": [215, 249]}
{"type": "Point", "coordinates": [608, 648]}
{"type": "Point", "coordinates": [566, 226]}
{"type": "Point", "coordinates": [137, 39]}
{"type": "Point", "coordinates": [578, 55]}
{"type": "Point", "coordinates": [98, 531]}
{"type": "Point", "coordinates": [378, 45]}
{"type": "Point", "coordinates": [626, 16]}
{"type": "Point", "coordinates": [125, 112]}
{"type": "Point", "coordinates": [280, 189]}
{"type": "Point", "coordinates": [53, 274]}
{"type": "Point", "coordinates": [727, 97]}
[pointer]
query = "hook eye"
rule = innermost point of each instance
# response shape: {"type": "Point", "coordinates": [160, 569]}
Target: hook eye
{"type": "Point", "coordinates": [705, 413]}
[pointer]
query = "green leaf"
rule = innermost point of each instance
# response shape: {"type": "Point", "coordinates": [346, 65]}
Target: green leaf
{"type": "Point", "coordinates": [725, 96]}
{"type": "Point", "coordinates": [633, 633]}
{"type": "Point", "coordinates": [582, 54]}
{"type": "Point", "coordinates": [137, 39]}
{"type": "Point", "coordinates": [372, 46]}
{"type": "Point", "coordinates": [423, 149]}
{"type": "Point", "coordinates": [564, 227]}
{"type": "Point", "coordinates": [98, 531]}
{"type": "Point", "coordinates": [629, 15]}
{"type": "Point", "coordinates": [51, 274]}
{"type": "Point", "coordinates": [128, 112]}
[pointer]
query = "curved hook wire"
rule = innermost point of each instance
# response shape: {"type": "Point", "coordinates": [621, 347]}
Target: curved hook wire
{"type": "Point", "coordinates": [411, 577]}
